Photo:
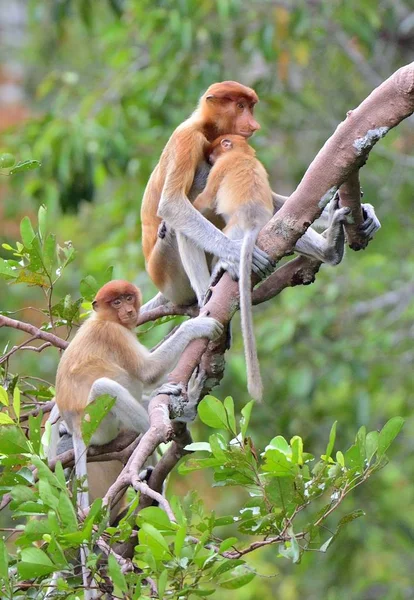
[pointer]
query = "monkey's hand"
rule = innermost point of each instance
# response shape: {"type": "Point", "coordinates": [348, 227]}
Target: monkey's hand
{"type": "Point", "coordinates": [262, 264]}
{"type": "Point", "coordinates": [205, 327]}
{"type": "Point", "coordinates": [371, 222]}
{"type": "Point", "coordinates": [183, 404]}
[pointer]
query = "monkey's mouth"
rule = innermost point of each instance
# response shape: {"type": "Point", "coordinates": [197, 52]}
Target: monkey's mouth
{"type": "Point", "coordinates": [246, 134]}
{"type": "Point", "coordinates": [129, 319]}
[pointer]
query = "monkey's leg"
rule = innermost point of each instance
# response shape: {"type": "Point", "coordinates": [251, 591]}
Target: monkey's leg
{"type": "Point", "coordinates": [327, 247]}
{"type": "Point", "coordinates": [195, 265]}
{"type": "Point", "coordinates": [127, 412]}
{"type": "Point", "coordinates": [80, 450]}
{"type": "Point", "coordinates": [158, 300]}
{"type": "Point", "coordinates": [166, 269]}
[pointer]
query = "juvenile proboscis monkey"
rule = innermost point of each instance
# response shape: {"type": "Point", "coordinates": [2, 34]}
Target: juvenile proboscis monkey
{"type": "Point", "coordinates": [175, 236]}
{"type": "Point", "coordinates": [238, 190]}
{"type": "Point", "coordinates": [105, 357]}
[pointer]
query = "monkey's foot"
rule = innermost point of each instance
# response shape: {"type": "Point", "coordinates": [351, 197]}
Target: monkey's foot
{"type": "Point", "coordinates": [371, 222]}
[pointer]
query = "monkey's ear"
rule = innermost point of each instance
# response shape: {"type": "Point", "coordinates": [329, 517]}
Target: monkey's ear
{"type": "Point", "coordinates": [226, 143]}
{"type": "Point", "coordinates": [95, 305]}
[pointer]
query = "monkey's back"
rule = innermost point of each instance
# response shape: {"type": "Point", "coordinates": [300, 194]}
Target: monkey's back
{"type": "Point", "coordinates": [244, 188]}
{"type": "Point", "coordinates": [185, 152]}
{"type": "Point", "coordinates": [99, 349]}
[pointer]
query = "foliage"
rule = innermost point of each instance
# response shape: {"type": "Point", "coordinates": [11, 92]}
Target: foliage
{"type": "Point", "coordinates": [190, 557]}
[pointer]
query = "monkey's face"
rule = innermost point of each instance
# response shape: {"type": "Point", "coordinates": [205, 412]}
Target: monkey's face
{"type": "Point", "coordinates": [244, 123]}
{"type": "Point", "coordinates": [229, 106]}
{"type": "Point", "coordinates": [127, 310]}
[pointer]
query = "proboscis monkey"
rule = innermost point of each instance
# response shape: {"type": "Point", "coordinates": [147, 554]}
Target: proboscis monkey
{"type": "Point", "coordinates": [238, 190]}
{"type": "Point", "coordinates": [105, 357]}
{"type": "Point", "coordinates": [175, 253]}
{"type": "Point", "coordinates": [175, 236]}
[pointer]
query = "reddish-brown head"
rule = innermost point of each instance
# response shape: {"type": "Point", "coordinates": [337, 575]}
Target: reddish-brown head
{"type": "Point", "coordinates": [118, 301]}
{"type": "Point", "coordinates": [228, 143]}
{"type": "Point", "coordinates": [227, 107]}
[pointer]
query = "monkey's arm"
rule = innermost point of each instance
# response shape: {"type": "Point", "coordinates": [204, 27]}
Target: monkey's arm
{"type": "Point", "coordinates": [178, 211]}
{"type": "Point", "coordinates": [160, 362]}
{"type": "Point", "coordinates": [207, 197]}
{"type": "Point", "coordinates": [329, 247]}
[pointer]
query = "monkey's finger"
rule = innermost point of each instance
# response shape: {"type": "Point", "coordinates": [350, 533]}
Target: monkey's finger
{"type": "Point", "coordinates": [368, 228]}
{"type": "Point", "coordinates": [262, 264]}
{"type": "Point", "coordinates": [217, 330]}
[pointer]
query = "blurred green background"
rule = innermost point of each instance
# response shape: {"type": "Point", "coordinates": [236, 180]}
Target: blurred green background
{"type": "Point", "coordinates": [94, 89]}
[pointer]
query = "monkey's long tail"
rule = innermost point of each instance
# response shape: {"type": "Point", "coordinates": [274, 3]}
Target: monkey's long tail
{"type": "Point", "coordinates": [254, 380]}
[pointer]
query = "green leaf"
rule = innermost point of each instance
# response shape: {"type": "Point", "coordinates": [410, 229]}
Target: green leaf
{"type": "Point", "coordinates": [198, 447]}
{"type": "Point", "coordinates": [162, 583]}
{"type": "Point", "coordinates": [279, 443]}
{"type": "Point", "coordinates": [88, 287]}
{"type": "Point", "coordinates": [116, 574]}
{"type": "Point", "coordinates": [291, 550]}
{"type": "Point", "coordinates": [156, 517]}
{"type": "Point", "coordinates": [340, 458]}
{"type": "Point", "coordinates": [67, 512]}
{"type": "Point", "coordinates": [4, 397]}
{"type": "Point", "coordinates": [212, 412]}
{"type": "Point", "coordinates": [179, 540]}
{"type": "Point", "coordinates": [331, 443]}
{"type": "Point", "coordinates": [277, 464]}
{"type": "Point", "coordinates": [150, 537]}
{"type": "Point", "coordinates": [245, 420]}
{"type": "Point", "coordinates": [229, 407]}
{"type": "Point", "coordinates": [94, 414]}
{"type": "Point", "coordinates": [236, 578]}
{"type": "Point", "coordinates": [371, 444]}
{"type": "Point", "coordinates": [326, 545]}
{"type": "Point", "coordinates": [42, 220]}
{"type": "Point", "coordinates": [297, 450]}
{"type": "Point", "coordinates": [44, 472]}
{"type": "Point", "coordinates": [228, 543]}
{"type": "Point", "coordinates": [27, 165]}
{"type": "Point", "coordinates": [4, 561]}
{"type": "Point", "coordinates": [388, 433]}
{"type": "Point", "coordinates": [27, 232]}
{"type": "Point", "coordinates": [34, 563]}
{"type": "Point", "coordinates": [218, 446]}
{"type": "Point", "coordinates": [7, 269]}
{"type": "Point", "coordinates": [227, 565]}
{"type": "Point", "coordinates": [7, 160]}
{"type": "Point", "coordinates": [48, 495]}
{"type": "Point", "coordinates": [16, 402]}
{"type": "Point", "coordinates": [12, 440]}
{"type": "Point", "coordinates": [50, 253]}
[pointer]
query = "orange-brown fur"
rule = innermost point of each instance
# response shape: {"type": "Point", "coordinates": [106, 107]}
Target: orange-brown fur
{"type": "Point", "coordinates": [172, 178]}
{"type": "Point", "coordinates": [236, 179]}
{"type": "Point", "coordinates": [103, 347]}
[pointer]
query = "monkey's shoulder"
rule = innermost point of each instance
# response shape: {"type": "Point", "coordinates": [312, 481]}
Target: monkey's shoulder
{"type": "Point", "coordinates": [187, 142]}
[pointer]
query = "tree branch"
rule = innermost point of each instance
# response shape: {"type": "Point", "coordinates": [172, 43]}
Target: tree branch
{"type": "Point", "coordinates": [36, 333]}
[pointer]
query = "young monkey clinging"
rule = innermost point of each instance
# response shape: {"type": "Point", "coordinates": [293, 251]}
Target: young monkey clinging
{"type": "Point", "coordinates": [105, 357]}
{"type": "Point", "coordinates": [238, 190]}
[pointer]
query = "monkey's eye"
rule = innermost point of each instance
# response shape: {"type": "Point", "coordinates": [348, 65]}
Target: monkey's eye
{"type": "Point", "coordinates": [116, 303]}
{"type": "Point", "coordinates": [240, 105]}
{"type": "Point", "coordinates": [129, 298]}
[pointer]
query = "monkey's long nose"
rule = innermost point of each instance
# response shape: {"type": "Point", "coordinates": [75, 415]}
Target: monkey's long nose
{"type": "Point", "coordinates": [254, 125]}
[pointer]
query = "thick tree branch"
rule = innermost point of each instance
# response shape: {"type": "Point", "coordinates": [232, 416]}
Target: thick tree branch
{"type": "Point", "coordinates": [339, 159]}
